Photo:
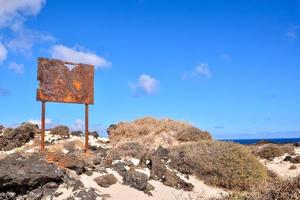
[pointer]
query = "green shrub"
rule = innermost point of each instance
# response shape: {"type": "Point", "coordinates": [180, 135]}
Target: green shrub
{"type": "Point", "coordinates": [222, 164]}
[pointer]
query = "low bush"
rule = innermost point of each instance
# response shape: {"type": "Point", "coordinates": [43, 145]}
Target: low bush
{"type": "Point", "coordinates": [271, 151]}
{"type": "Point", "coordinates": [222, 164]}
{"type": "Point", "coordinates": [193, 134]}
{"type": "Point", "coordinates": [276, 189]}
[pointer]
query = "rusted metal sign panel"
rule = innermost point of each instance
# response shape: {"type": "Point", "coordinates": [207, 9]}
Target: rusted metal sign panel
{"type": "Point", "coordinates": [65, 82]}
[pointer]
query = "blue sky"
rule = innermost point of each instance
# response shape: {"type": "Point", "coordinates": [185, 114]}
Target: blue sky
{"type": "Point", "coordinates": [229, 67]}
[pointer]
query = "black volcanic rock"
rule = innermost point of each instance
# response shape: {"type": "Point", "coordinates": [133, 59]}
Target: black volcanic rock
{"type": "Point", "coordinates": [22, 174]}
{"type": "Point", "coordinates": [13, 138]}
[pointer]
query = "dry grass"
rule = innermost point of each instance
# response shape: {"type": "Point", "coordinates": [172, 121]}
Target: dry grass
{"type": "Point", "coordinates": [152, 133]}
{"type": "Point", "coordinates": [277, 189]}
{"type": "Point", "coordinates": [221, 164]}
{"type": "Point", "coordinates": [270, 151]}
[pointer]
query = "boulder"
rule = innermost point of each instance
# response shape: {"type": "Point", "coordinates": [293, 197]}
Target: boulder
{"type": "Point", "coordinates": [288, 158]}
{"type": "Point", "coordinates": [62, 131]}
{"type": "Point", "coordinates": [94, 133]}
{"type": "Point", "coordinates": [74, 162]}
{"type": "Point", "coordinates": [120, 168]}
{"type": "Point", "coordinates": [77, 133]}
{"type": "Point", "coordinates": [106, 180]}
{"type": "Point", "coordinates": [162, 153]}
{"type": "Point", "coordinates": [17, 137]}
{"type": "Point", "coordinates": [136, 180]}
{"type": "Point", "coordinates": [297, 144]}
{"type": "Point", "coordinates": [296, 160]}
{"type": "Point", "coordinates": [22, 174]}
{"type": "Point", "coordinates": [169, 178]}
{"type": "Point", "coordinates": [87, 194]}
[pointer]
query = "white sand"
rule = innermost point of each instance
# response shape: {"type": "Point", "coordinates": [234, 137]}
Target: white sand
{"type": "Point", "coordinates": [281, 167]}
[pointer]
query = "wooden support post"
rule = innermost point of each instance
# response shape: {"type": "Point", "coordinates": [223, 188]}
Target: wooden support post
{"type": "Point", "coordinates": [86, 127]}
{"type": "Point", "coordinates": [43, 127]}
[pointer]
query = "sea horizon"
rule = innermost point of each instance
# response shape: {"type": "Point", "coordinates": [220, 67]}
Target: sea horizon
{"type": "Point", "coordinates": [255, 140]}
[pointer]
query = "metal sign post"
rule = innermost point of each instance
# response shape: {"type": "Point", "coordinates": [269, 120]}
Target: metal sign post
{"type": "Point", "coordinates": [65, 82]}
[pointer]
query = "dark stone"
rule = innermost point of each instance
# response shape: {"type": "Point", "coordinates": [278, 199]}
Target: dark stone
{"type": "Point", "coordinates": [288, 158]}
{"type": "Point", "coordinates": [101, 152]}
{"type": "Point", "coordinates": [7, 196]}
{"type": "Point", "coordinates": [162, 153]}
{"type": "Point", "coordinates": [62, 131]}
{"type": "Point", "coordinates": [21, 174]}
{"type": "Point", "coordinates": [106, 180]}
{"type": "Point", "coordinates": [77, 133]}
{"type": "Point", "coordinates": [88, 171]}
{"type": "Point", "coordinates": [120, 168]}
{"type": "Point", "coordinates": [94, 133]}
{"type": "Point", "coordinates": [77, 185]}
{"type": "Point", "coordinates": [56, 194]}
{"type": "Point", "coordinates": [297, 144]}
{"type": "Point", "coordinates": [296, 160]}
{"type": "Point", "coordinates": [160, 172]}
{"type": "Point", "coordinates": [90, 194]}
{"type": "Point", "coordinates": [13, 138]}
{"type": "Point", "coordinates": [51, 185]}
{"type": "Point", "coordinates": [136, 180]}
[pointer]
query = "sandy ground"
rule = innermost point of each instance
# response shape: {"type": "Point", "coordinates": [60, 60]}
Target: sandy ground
{"type": "Point", "coordinates": [281, 167]}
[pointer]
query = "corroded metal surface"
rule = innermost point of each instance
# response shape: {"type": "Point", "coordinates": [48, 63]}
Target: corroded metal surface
{"type": "Point", "coordinates": [59, 83]}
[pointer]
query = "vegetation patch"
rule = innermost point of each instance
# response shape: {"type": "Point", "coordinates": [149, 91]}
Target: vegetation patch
{"type": "Point", "coordinates": [222, 164]}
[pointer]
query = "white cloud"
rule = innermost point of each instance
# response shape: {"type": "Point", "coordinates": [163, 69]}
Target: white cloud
{"type": "Point", "coordinates": [145, 83]}
{"type": "Point", "coordinates": [78, 125]}
{"type": "Point", "coordinates": [292, 32]}
{"type": "Point", "coordinates": [26, 39]}
{"type": "Point", "coordinates": [78, 56]}
{"type": "Point", "coordinates": [3, 53]}
{"type": "Point", "coordinates": [201, 70]}
{"type": "Point", "coordinates": [17, 68]}
{"type": "Point", "coordinates": [38, 122]}
{"type": "Point", "coordinates": [14, 12]}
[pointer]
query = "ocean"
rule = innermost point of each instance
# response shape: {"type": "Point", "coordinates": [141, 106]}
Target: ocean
{"type": "Point", "coordinates": [274, 140]}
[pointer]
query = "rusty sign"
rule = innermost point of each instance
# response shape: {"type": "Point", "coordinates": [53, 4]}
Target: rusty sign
{"type": "Point", "coordinates": [65, 82]}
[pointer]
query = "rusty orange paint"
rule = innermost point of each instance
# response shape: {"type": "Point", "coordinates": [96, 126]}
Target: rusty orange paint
{"type": "Point", "coordinates": [77, 85]}
{"type": "Point", "coordinates": [58, 83]}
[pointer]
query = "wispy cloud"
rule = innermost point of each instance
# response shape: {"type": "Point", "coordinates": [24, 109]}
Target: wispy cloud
{"type": "Point", "coordinates": [292, 32]}
{"type": "Point", "coordinates": [3, 53]}
{"type": "Point", "coordinates": [144, 84]}
{"type": "Point", "coordinates": [26, 39]}
{"type": "Point", "coordinates": [17, 68]}
{"type": "Point", "coordinates": [201, 70]}
{"type": "Point", "coordinates": [13, 13]}
{"type": "Point", "coordinates": [79, 56]}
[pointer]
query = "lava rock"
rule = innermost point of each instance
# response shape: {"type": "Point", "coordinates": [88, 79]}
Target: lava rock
{"type": "Point", "coordinates": [62, 131]}
{"type": "Point", "coordinates": [13, 138]}
{"type": "Point", "coordinates": [77, 133]}
{"type": "Point", "coordinates": [288, 158]}
{"type": "Point", "coordinates": [106, 180]}
{"type": "Point", "coordinates": [89, 194]}
{"type": "Point", "coordinates": [74, 162]}
{"type": "Point", "coordinates": [120, 168]}
{"type": "Point", "coordinates": [162, 153]}
{"type": "Point", "coordinates": [24, 174]}
{"type": "Point", "coordinates": [94, 133]}
{"type": "Point", "coordinates": [136, 180]}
